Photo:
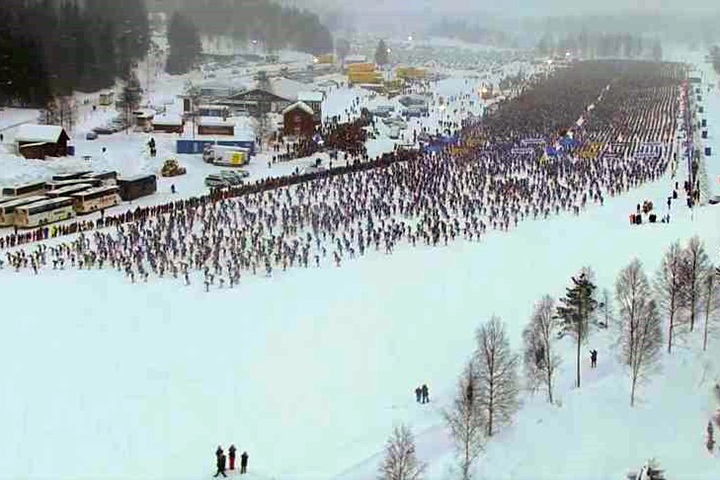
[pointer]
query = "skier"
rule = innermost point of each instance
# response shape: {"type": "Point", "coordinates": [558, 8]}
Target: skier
{"type": "Point", "coordinates": [244, 462]}
{"type": "Point", "coordinates": [231, 456]}
{"type": "Point", "coordinates": [418, 393]}
{"type": "Point", "coordinates": [172, 189]}
{"type": "Point", "coordinates": [425, 394]}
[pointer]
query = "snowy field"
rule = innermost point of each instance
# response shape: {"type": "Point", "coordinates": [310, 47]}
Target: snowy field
{"type": "Point", "coordinates": [309, 370]}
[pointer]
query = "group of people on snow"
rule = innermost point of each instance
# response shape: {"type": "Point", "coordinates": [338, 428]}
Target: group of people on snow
{"type": "Point", "coordinates": [422, 394]}
{"type": "Point", "coordinates": [223, 464]}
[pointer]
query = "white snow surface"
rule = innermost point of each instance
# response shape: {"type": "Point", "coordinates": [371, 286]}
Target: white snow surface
{"type": "Point", "coordinates": [309, 370]}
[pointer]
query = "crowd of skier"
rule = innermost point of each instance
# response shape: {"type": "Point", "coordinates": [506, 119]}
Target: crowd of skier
{"type": "Point", "coordinates": [488, 182]}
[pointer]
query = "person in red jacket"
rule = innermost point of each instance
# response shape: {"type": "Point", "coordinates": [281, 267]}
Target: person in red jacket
{"type": "Point", "coordinates": [231, 456]}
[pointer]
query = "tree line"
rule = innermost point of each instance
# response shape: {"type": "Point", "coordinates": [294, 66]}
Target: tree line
{"type": "Point", "coordinates": [715, 57]}
{"type": "Point", "coordinates": [49, 48]}
{"type": "Point", "coordinates": [265, 22]}
{"type": "Point", "coordinates": [601, 45]}
{"type": "Point", "coordinates": [472, 32]}
{"type": "Point", "coordinates": [680, 304]}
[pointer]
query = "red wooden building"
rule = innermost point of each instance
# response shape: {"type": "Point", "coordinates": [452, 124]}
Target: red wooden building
{"type": "Point", "coordinates": [298, 120]}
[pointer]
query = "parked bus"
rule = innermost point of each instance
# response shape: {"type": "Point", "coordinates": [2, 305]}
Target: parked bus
{"type": "Point", "coordinates": [41, 213]}
{"type": "Point", "coordinates": [24, 190]}
{"type": "Point", "coordinates": [68, 190]}
{"type": "Point", "coordinates": [7, 210]}
{"type": "Point", "coordinates": [70, 176]}
{"type": "Point", "coordinates": [136, 187]}
{"type": "Point", "coordinates": [96, 199]}
{"type": "Point", "coordinates": [54, 185]}
{"type": "Point", "coordinates": [107, 177]}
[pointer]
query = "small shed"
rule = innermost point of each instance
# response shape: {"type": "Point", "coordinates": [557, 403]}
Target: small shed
{"type": "Point", "coordinates": [40, 141]}
{"type": "Point", "coordinates": [298, 120]}
{"type": "Point", "coordinates": [216, 126]}
{"type": "Point", "coordinates": [168, 124]}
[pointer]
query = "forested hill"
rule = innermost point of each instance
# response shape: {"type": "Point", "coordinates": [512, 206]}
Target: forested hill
{"type": "Point", "coordinates": [52, 47]}
{"type": "Point", "coordinates": [273, 25]}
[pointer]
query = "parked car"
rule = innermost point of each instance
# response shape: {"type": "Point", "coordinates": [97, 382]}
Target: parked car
{"type": "Point", "coordinates": [91, 135]}
{"type": "Point", "coordinates": [102, 130]}
{"type": "Point", "coordinates": [714, 200]}
{"type": "Point", "coordinates": [216, 181]}
{"type": "Point", "coordinates": [231, 177]}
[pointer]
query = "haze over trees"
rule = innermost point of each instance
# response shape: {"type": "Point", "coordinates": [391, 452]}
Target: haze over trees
{"type": "Point", "coordinates": [185, 46]}
{"type": "Point", "coordinates": [268, 23]}
{"type": "Point", "coordinates": [49, 48]}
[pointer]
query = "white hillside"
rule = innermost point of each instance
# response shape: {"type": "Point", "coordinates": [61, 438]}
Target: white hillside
{"type": "Point", "coordinates": [309, 370]}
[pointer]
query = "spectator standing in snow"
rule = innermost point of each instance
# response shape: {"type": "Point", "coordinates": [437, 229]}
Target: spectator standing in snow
{"type": "Point", "coordinates": [220, 465]}
{"type": "Point", "coordinates": [418, 394]}
{"type": "Point", "coordinates": [593, 358]}
{"type": "Point", "coordinates": [218, 452]}
{"type": "Point", "coordinates": [244, 462]}
{"type": "Point", "coordinates": [231, 456]}
{"type": "Point", "coordinates": [425, 394]}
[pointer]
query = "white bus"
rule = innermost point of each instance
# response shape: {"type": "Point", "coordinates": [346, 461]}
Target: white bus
{"type": "Point", "coordinates": [42, 213]}
{"type": "Point", "coordinates": [7, 209]}
{"type": "Point", "coordinates": [96, 199]}
{"type": "Point", "coordinates": [56, 184]}
{"type": "Point", "coordinates": [24, 190]}
{"type": "Point", "coordinates": [68, 190]}
{"type": "Point", "coordinates": [107, 177]}
{"type": "Point", "coordinates": [70, 176]}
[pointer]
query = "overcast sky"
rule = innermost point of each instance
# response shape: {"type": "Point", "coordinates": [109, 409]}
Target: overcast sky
{"type": "Point", "coordinates": [529, 7]}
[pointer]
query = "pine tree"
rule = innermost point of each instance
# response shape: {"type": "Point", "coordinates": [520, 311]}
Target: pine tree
{"type": "Point", "coordinates": [467, 421]}
{"type": "Point", "coordinates": [577, 306]}
{"type": "Point", "coordinates": [400, 461]}
{"type": "Point", "coordinates": [185, 45]}
{"type": "Point", "coordinates": [539, 336]}
{"type": "Point", "coordinates": [382, 53]}
{"type": "Point", "coordinates": [497, 369]}
{"type": "Point", "coordinates": [710, 442]}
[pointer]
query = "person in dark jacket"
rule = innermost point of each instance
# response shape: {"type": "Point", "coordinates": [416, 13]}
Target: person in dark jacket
{"type": "Point", "coordinates": [425, 394]}
{"type": "Point", "coordinates": [231, 456]}
{"type": "Point", "coordinates": [220, 465]}
{"type": "Point", "coordinates": [593, 358]}
{"type": "Point", "coordinates": [244, 462]}
{"type": "Point", "coordinates": [219, 451]}
{"type": "Point", "coordinates": [418, 393]}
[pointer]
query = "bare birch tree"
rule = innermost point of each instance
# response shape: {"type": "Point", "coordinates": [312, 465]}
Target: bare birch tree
{"type": "Point", "coordinates": [400, 461]}
{"type": "Point", "coordinates": [669, 289]}
{"type": "Point", "coordinates": [641, 327]}
{"type": "Point", "coordinates": [497, 370]}
{"type": "Point", "coordinates": [466, 421]}
{"type": "Point", "coordinates": [710, 303]}
{"type": "Point", "coordinates": [694, 269]}
{"type": "Point", "coordinates": [540, 360]}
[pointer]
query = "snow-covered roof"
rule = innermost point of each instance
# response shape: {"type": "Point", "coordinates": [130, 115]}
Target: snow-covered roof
{"type": "Point", "coordinates": [216, 122]}
{"type": "Point", "coordinates": [310, 96]}
{"type": "Point", "coordinates": [302, 106]}
{"type": "Point", "coordinates": [38, 133]}
{"type": "Point", "coordinates": [167, 120]}
{"type": "Point", "coordinates": [144, 113]}
{"type": "Point", "coordinates": [286, 88]}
